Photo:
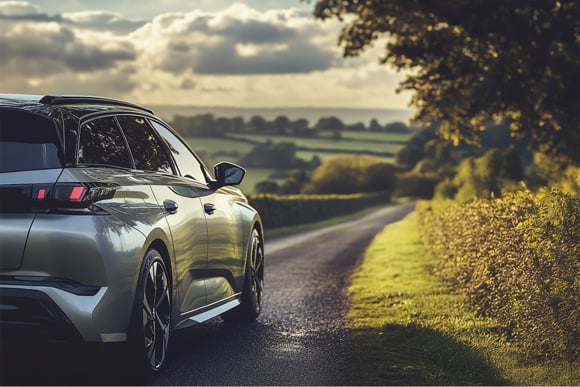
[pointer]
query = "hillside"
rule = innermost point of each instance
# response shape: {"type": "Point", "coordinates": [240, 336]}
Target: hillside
{"type": "Point", "coordinates": [312, 114]}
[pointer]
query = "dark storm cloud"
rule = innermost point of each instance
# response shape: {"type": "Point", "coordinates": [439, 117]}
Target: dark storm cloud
{"type": "Point", "coordinates": [272, 47]}
{"type": "Point", "coordinates": [297, 58]}
{"type": "Point", "coordinates": [40, 49]}
{"type": "Point", "coordinates": [256, 32]}
{"type": "Point", "coordinates": [84, 58]}
{"type": "Point", "coordinates": [93, 20]}
{"type": "Point", "coordinates": [35, 17]}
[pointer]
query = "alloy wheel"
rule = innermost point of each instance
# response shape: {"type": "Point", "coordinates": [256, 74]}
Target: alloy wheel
{"type": "Point", "coordinates": [257, 272]}
{"type": "Point", "coordinates": [156, 314]}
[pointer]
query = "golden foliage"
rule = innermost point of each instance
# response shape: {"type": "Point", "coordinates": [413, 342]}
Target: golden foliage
{"type": "Point", "coordinates": [518, 260]}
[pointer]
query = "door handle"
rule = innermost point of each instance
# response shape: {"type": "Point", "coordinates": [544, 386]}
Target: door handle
{"type": "Point", "coordinates": [170, 206]}
{"type": "Point", "coordinates": [209, 208]}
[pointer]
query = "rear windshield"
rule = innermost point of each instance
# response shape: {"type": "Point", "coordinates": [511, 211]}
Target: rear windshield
{"type": "Point", "coordinates": [27, 142]}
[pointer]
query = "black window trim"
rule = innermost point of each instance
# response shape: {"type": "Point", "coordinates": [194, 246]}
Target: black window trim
{"type": "Point", "coordinates": [92, 118]}
{"type": "Point", "coordinates": [208, 178]}
{"type": "Point", "coordinates": [172, 162]}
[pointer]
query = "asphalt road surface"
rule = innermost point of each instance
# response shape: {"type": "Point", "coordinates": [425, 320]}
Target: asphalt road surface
{"type": "Point", "coordinates": [299, 339]}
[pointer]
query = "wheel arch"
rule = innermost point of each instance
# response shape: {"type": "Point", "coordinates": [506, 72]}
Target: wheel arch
{"type": "Point", "coordinates": [161, 247]}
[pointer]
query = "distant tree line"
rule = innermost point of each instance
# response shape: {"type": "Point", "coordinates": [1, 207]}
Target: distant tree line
{"type": "Point", "coordinates": [207, 125]}
{"type": "Point", "coordinates": [426, 166]}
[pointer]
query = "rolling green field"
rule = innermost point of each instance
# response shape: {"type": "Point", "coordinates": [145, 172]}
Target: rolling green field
{"type": "Point", "coordinates": [233, 147]}
{"type": "Point", "coordinates": [255, 175]}
{"type": "Point", "coordinates": [307, 155]}
{"type": "Point", "coordinates": [378, 144]}
{"type": "Point", "coordinates": [215, 145]}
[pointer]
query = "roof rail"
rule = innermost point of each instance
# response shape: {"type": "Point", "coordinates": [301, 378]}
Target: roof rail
{"type": "Point", "coordinates": [85, 99]}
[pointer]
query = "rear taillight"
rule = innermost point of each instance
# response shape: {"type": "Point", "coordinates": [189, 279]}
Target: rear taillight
{"type": "Point", "coordinates": [26, 198]}
{"type": "Point", "coordinates": [71, 195]}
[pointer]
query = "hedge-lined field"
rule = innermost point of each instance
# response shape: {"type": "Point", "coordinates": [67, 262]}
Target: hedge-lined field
{"type": "Point", "coordinates": [518, 260]}
{"type": "Point", "coordinates": [282, 211]}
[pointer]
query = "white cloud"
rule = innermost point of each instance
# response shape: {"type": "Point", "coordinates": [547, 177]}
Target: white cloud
{"type": "Point", "coordinates": [239, 56]}
{"type": "Point", "coordinates": [238, 40]}
{"type": "Point", "coordinates": [18, 8]}
{"type": "Point", "coordinates": [102, 21]}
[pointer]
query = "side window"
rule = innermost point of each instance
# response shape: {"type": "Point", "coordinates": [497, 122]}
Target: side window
{"type": "Point", "coordinates": [147, 151]}
{"type": "Point", "coordinates": [101, 142]}
{"type": "Point", "coordinates": [187, 163]}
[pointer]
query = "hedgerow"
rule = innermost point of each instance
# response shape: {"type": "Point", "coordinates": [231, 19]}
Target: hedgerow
{"type": "Point", "coordinates": [291, 210]}
{"type": "Point", "coordinates": [518, 260]}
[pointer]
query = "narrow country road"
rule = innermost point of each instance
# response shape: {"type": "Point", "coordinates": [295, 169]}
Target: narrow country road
{"type": "Point", "coordinates": [298, 340]}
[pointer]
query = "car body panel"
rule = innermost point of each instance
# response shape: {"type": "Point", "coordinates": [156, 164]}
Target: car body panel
{"type": "Point", "coordinates": [227, 248]}
{"type": "Point", "coordinates": [13, 235]}
{"type": "Point", "coordinates": [86, 257]}
{"type": "Point", "coordinates": [189, 235]}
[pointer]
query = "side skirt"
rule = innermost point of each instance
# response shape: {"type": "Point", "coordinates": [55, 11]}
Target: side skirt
{"type": "Point", "coordinates": [201, 315]}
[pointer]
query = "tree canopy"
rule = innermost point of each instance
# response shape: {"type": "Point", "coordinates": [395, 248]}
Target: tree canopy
{"type": "Point", "coordinates": [471, 61]}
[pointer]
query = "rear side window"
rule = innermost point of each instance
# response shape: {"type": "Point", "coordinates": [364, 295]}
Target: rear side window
{"type": "Point", "coordinates": [145, 147]}
{"type": "Point", "coordinates": [27, 142]}
{"type": "Point", "coordinates": [101, 143]}
{"type": "Point", "coordinates": [187, 163]}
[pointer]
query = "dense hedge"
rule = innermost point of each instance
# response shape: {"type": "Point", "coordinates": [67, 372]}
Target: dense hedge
{"type": "Point", "coordinates": [518, 259]}
{"type": "Point", "coordinates": [282, 211]}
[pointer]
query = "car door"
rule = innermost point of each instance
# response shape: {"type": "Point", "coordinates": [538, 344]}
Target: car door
{"type": "Point", "coordinates": [224, 261]}
{"type": "Point", "coordinates": [225, 247]}
{"type": "Point", "coordinates": [180, 196]}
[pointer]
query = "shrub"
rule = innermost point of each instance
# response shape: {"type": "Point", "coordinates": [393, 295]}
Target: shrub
{"type": "Point", "coordinates": [517, 259]}
{"type": "Point", "coordinates": [348, 173]}
{"type": "Point", "coordinates": [414, 185]}
{"type": "Point", "coordinates": [484, 177]}
{"type": "Point", "coordinates": [290, 210]}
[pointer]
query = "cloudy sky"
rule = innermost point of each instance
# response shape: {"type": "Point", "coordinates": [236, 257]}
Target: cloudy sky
{"type": "Point", "coordinates": [251, 53]}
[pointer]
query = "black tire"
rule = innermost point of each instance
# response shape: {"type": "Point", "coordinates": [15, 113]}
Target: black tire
{"type": "Point", "coordinates": [251, 298]}
{"type": "Point", "coordinates": [148, 336]}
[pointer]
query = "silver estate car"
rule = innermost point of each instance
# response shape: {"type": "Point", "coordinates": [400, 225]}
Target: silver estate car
{"type": "Point", "coordinates": [113, 230]}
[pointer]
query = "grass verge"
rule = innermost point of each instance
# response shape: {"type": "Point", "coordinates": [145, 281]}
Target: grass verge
{"type": "Point", "coordinates": [407, 327]}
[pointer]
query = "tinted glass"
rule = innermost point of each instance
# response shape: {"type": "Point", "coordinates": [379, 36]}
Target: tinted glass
{"type": "Point", "coordinates": [102, 143]}
{"type": "Point", "coordinates": [147, 151]}
{"type": "Point", "coordinates": [187, 163]}
{"type": "Point", "coordinates": [28, 142]}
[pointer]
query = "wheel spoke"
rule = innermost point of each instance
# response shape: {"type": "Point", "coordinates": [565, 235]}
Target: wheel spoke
{"type": "Point", "coordinates": [147, 309]}
{"type": "Point", "coordinates": [163, 296]}
{"type": "Point", "coordinates": [151, 354]}
{"type": "Point", "coordinates": [259, 286]}
{"type": "Point", "coordinates": [156, 314]}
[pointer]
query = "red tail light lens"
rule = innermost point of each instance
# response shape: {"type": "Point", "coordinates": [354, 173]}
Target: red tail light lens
{"type": "Point", "coordinates": [82, 194]}
{"type": "Point", "coordinates": [27, 198]}
{"type": "Point", "coordinates": [77, 193]}
{"type": "Point", "coordinates": [49, 197]}
{"type": "Point", "coordinates": [41, 194]}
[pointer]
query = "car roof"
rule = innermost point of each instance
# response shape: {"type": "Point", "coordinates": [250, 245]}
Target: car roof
{"type": "Point", "coordinates": [77, 105]}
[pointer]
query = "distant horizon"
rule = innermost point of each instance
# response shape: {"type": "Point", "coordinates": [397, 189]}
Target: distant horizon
{"type": "Point", "coordinates": [349, 115]}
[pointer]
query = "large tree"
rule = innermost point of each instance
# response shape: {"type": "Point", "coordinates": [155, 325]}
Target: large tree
{"type": "Point", "coordinates": [474, 60]}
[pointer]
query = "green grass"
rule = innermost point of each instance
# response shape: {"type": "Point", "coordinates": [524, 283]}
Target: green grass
{"type": "Point", "coordinates": [214, 145]}
{"type": "Point", "coordinates": [256, 175]}
{"type": "Point", "coordinates": [408, 328]}
{"type": "Point", "coordinates": [378, 136]}
{"type": "Point", "coordinates": [345, 145]}
{"type": "Point", "coordinates": [307, 155]}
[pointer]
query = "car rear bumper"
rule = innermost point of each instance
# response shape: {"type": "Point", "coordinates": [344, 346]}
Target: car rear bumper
{"type": "Point", "coordinates": [31, 316]}
{"type": "Point", "coordinates": [50, 314]}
